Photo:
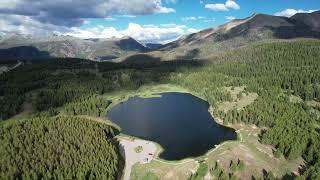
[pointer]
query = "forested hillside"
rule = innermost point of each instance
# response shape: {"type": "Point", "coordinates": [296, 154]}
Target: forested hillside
{"type": "Point", "coordinates": [276, 72]}
{"type": "Point", "coordinates": [58, 148]}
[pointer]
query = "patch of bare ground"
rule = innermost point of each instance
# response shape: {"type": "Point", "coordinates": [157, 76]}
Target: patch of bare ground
{"type": "Point", "coordinates": [240, 98]}
{"type": "Point", "coordinates": [27, 107]}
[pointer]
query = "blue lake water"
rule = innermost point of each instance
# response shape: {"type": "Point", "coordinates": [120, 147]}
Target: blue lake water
{"type": "Point", "coordinates": [179, 122]}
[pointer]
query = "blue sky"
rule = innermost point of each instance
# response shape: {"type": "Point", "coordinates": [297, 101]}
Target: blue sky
{"type": "Point", "coordinates": [196, 8]}
{"type": "Point", "coordinates": [157, 21]}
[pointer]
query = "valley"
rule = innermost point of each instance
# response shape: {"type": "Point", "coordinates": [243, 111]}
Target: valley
{"type": "Point", "coordinates": [250, 99]}
{"type": "Point", "coordinates": [239, 100]}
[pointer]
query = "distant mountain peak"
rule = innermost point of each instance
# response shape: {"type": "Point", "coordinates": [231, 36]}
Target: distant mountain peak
{"type": "Point", "coordinates": [240, 32]}
{"type": "Point", "coordinates": [311, 20]}
{"type": "Point", "coordinates": [70, 46]}
{"type": "Point", "coordinates": [236, 33]}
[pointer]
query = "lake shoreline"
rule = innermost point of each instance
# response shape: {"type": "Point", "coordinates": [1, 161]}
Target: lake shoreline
{"type": "Point", "coordinates": [179, 95]}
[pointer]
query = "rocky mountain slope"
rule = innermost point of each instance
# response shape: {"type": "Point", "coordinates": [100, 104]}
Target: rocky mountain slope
{"type": "Point", "coordinates": [201, 45]}
{"type": "Point", "coordinates": [241, 32]}
{"type": "Point", "coordinates": [19, 46]}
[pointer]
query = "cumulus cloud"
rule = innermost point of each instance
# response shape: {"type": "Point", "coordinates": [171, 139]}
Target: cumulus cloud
{"type": "Point", "coordinates": [71, 13]}
{"type": "Point", "coordinates": [162, 33]}
{"type": "Point", "coordinates": [43, 17]}
{"type": "Point", "coordinates": [229, 4]}
{"type": "Point", "coordinates": [26, 25]}
{"type": "Point", "coordinates": [291, 12]}
{"type": "Point", "coordinates": [145, 33]}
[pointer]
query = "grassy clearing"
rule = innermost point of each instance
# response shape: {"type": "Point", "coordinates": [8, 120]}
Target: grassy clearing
{"type": "Point", "coordinates": [164, 170]}
{"type": "Point", "coordinates": [314, 105]}
{"type": "Point", "coordinates": [3, 69]}
{"type": "Point", "coordinates": [150, 176]}
{"type": "Point", "coordinates": [144, 92]}
{"type": "Point", "coordinates": [240, 99]}
{"type": "Point", "coordinates": [27, 107]}
{"type": "Point", "coordinates": [7, 68]}
{"type": "Point", "coordinates": [295, 99]}
{"type": "Point", "coordinates": [255, 156]}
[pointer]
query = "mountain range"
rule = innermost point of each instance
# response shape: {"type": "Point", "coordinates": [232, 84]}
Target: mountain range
{"type": "Point", "coordinates": [19, 46]}
{"type": "Point", "coordinates": [201, 45]}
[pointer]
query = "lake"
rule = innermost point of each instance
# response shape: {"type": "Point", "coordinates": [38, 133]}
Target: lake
{"type": "Point", "coordinates": [179, 122]}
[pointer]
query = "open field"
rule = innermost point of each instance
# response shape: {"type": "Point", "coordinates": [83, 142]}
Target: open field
{"type": "Point", "coordinates": [256, 157]}
{"type": "Point", "coordinates": [240, 99]}
{"type": "Point", "coordinates": [164, 170]}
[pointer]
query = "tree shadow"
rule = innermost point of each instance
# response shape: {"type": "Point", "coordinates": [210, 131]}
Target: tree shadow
{"type": "Point", "coordinates": [23, 52]}
{"type": "Point", "coordinates": [145, 61]}
{"type": "Point", "coordinates": [141, 59]}
{"type": "Point", "coordinates": [290, 32]}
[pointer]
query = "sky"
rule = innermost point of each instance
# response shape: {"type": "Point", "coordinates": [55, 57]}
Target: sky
{"type": "Point", "coordinates": [149, 21]}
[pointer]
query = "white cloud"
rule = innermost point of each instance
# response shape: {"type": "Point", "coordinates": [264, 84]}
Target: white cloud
{"type": "Point", "coordinates": [229, 4]}
{"type": "Point", "coordinates": [216, 7]}
{"type": "Point", "coordinates": [10, 4]}
{"type": "Point", "coordinates": [168, 25]}
{"type": "Point", "coordinates": [110, 19]}
{"type": "Point", "coordinates": [291, 12]}
{"type": "Point", "coordinates": [193, 18]}
{"type": "Point", "coordinates": [126, 16]}
{"type": "Point", "coordinates": [37, 17]}
{"type": "Point", "coordinates": [71, 13]}
{"type": "Point", "coordinates": [150, 26]}
{"type": "Point", "coordinates": [26, 25]}
{"type": "Point", "coordinates": [165, 10]}
{"type": "Point", "coordinates": [162, 33]}
{"type": "Point", "coordinates": [230, 18]}
{"type": "Point", "coordinates": [143, 33]}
